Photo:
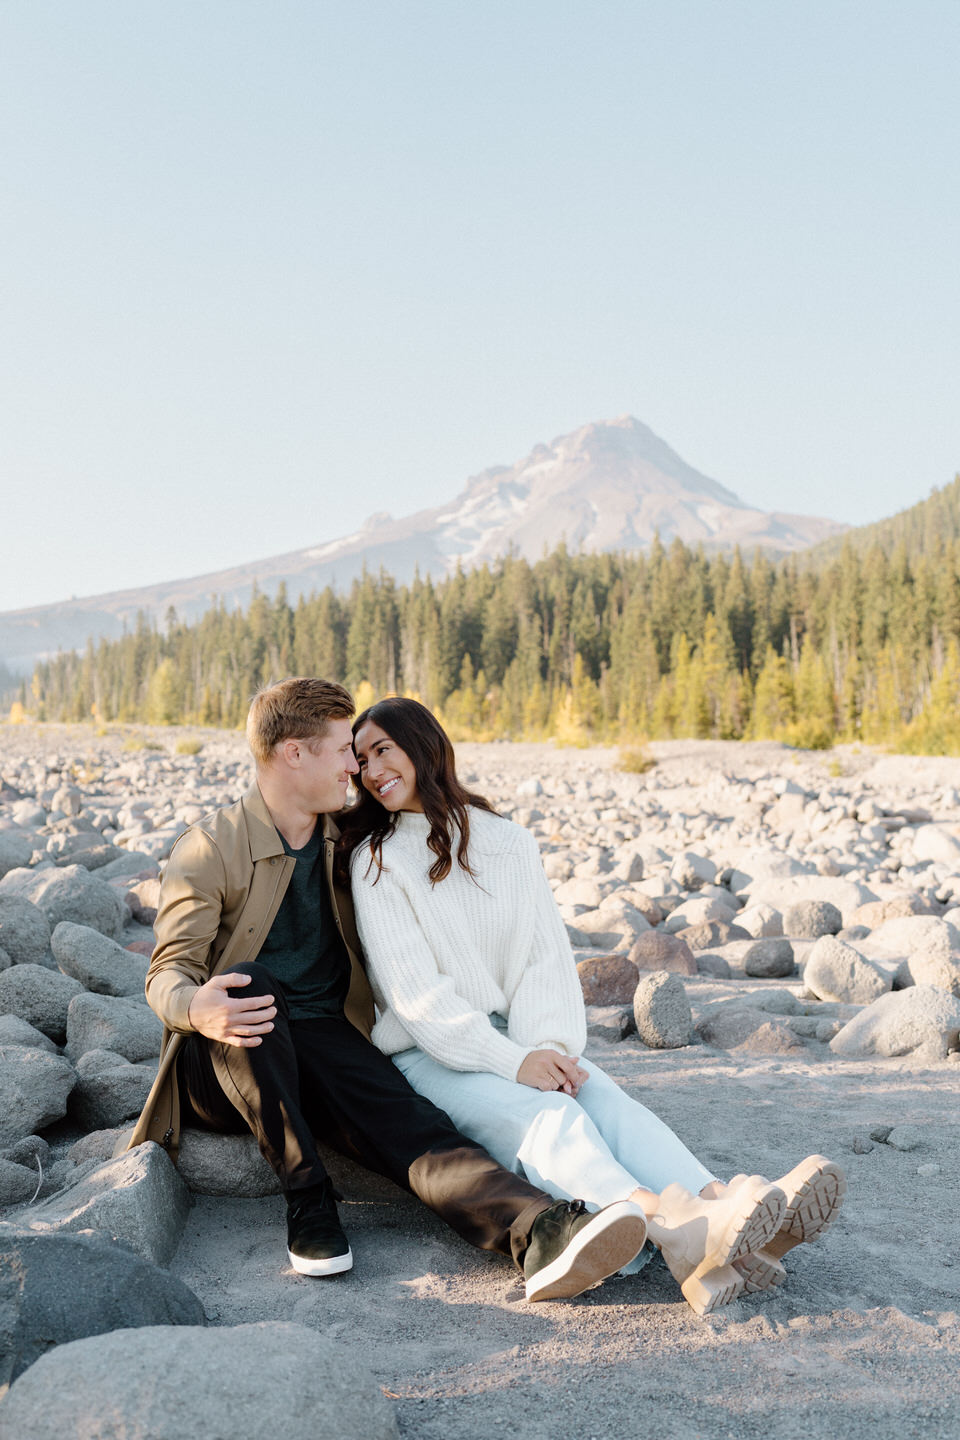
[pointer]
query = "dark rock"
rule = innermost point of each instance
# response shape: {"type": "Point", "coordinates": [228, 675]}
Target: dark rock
{"type": "Point", "coordinates": [658, 950]}
{"type": "Point", "coordinates": [607, 980]}
{"type": "Point", "coordinates": [713, 966]}
{"type": "Point", "coordinates": [57, 1288]}
{"type": "Point", "coordinates": [91, 857]}
{"type": "Point", "coordinates": [109, 1089]}
{"type": "Point", "coordinates": [69, 894]}
{"type": "Point", "coordinates": [167, 1383]}
{"type": "Point", "coordinates": [34, 1087]}
{"type": "Point", "coordinates": [14, 1031]}
{"type": "Point", "coordinates": [138, 1199]}
{"type": "Point", "coordinates": [97, 962]}
{"type": "Point", "coordinates": [662, 1011]}
{"type": "Point", "coordinates": [770, 959]}
{"type": "Point", "coordinates": [108, 1022]}
{"type": "Point", "coordinates": [24, 931]}
{"type": "Point", "coordinates": [40, 996]}
{"type": "Point", "coordinates": [213, 1164]}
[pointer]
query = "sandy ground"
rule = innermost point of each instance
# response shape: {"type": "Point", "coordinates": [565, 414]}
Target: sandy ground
{"type": "Point", "coordinates": [864, 1339]}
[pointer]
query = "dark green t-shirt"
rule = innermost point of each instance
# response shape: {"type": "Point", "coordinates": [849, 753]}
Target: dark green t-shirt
{"type": "Point", "coordinates": [303, 948]}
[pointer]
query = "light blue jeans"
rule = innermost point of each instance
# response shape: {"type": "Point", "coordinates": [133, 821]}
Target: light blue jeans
{"type": "Point", "coordinates": [598, 1147]}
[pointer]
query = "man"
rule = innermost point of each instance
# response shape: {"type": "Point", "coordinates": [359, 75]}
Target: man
{"type": "Point", "coordinates": [258, 979]}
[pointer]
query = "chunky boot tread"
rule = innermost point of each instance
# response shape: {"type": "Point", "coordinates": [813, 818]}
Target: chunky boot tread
{"type": "Point", "coordinates": [707, 1291]}
{"type": "Point", "coordinates": [760, 1271]}
{"type": "Point", "coordinates": [815, 1191]}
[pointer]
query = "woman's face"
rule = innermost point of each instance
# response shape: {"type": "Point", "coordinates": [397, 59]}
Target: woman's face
{"type": "Point", "coordinates": [386, 770]}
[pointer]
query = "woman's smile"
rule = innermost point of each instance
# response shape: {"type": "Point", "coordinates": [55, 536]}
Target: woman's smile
{"type": "Point", "coordinates": [386, 770]}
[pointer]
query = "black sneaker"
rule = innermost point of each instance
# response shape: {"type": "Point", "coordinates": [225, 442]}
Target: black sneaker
{"type": "Point", "coordinates": [571, 1249]}
{"type": "Point", "coordinates": [316, 1243]}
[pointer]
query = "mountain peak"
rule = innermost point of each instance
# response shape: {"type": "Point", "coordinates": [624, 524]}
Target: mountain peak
{"type": "Point", "coordinates": [608, 485]}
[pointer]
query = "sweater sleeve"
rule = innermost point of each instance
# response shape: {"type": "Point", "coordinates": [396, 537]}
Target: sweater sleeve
{"type": "Point", "coordinates": [407, 980]}
{"type": "Point", "coordinates": [546, 1009]}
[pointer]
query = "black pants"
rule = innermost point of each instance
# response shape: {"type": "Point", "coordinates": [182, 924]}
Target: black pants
{"type": "Point", "coordinates": [323, 1079]}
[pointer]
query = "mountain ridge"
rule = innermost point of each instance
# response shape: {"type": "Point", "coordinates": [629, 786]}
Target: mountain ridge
{"type": "Point", "coordinates": [609, 485]}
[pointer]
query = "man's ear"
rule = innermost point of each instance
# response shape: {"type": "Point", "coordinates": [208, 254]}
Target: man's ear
{"type": "Point", "coordinates": [289, 752]}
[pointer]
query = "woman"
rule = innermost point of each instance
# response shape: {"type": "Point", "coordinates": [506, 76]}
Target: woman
{"type": "Point", "coordinates": [480, 1007]}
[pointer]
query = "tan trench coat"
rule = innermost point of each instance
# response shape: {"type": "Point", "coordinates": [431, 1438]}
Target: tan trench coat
{"type": "Point", "coordinates": [221, 891]}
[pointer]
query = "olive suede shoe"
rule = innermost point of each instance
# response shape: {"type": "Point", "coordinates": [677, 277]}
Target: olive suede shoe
{"type": "Point", "coordinates": [571, 1249]}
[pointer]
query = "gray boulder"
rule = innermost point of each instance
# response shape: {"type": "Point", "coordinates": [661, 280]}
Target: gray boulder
{"type": "Point", "coordinates": [761, 921]}
{"type": "Point", "coordinates": [68, 799]}
{"type": "Point", "coordinates": [700, 910]}
{"type": "Point", "coordinates": [921, 1021]}
{"type": "Point", "coordinates": [27, 1151]}
{"type": "Point", "coordinates": [755, 866]}
{"type": "Point", "coordinates": [835, 971]}
{"type": "Point", "coordinates": [737, 1025]}
{"type": "Point", "coordinates": [809, 919]}
{"type": "Point", "coordinates": [714, 966]}
{"type": "Point", "coordinates": [58, 1288]}
{"type": "Point", "coordinates": [127, 863]}
{"type": "Point", "coordinates": [109, 1089]}
{"type": "Point", "coordinates": [14, 1031]}
{"type": "Point", "coordinates": [691, 871]}
{"type": "Point", "coordinates": [770, 959]}
{"type": "Point", "coordinates": [15, 851]}
{"type": "Point", "coordinates": [156, 1382]}
{"type": "Point", "coordinates": [213, 1164]}
{"type": "Point", "coordinates": [846, 895]}
{"type": "Point", "coordinates": [138, 1200]}
{"type": "Point", "coordinates": [18, 1183]}
{"type": "Point", "coordinates": [99, 1145]}
{"type": "Point", "coordinates": [662, 1011]}
{"type": "Point", "coordinates": [99, 963]}
{"type": "Point", "coordinates": [908, 935]}
{"type": "Point", "coordinates": [112, 1022]}
{"type": "Point", "coordinates": [69, 894]}
{"type": "Point", "coordinates": [28, 814]}
{"type": "Point", "coordinates": [90, 856]}
{"type": "Point", "coordinates": [34, 1087]}
{"type": "Point", "coordinates": [937, 843]}
{"type": "Point", "coordinates": [659, 950]}
{"type": "Point", "coordinates": [932, 968]}
{"type": "Point", "coordinates": [40, 996]}
{"type": "Point", "coordinates": [712, 934]}
{"type": "Point", "coordinates": [24, 930]}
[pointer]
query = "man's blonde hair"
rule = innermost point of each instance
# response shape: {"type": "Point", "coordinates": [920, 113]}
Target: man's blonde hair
{"type": "Point", "coordinates": [294, 710]}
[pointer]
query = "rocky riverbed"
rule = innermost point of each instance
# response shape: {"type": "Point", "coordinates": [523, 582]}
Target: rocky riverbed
{"type": "Point", "coordinates": [769, 946]}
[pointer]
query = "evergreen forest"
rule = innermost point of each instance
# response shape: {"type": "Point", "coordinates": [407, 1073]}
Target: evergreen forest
{"type": "Point", "coordinates": [852, 642]}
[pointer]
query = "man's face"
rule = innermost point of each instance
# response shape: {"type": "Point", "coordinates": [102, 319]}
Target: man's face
{"type": "Point", "coordinates": [326, 765]}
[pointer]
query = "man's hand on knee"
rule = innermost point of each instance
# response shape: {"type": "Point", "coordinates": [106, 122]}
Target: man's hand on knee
{"type": "Point", "coordinates": [239, 1020]}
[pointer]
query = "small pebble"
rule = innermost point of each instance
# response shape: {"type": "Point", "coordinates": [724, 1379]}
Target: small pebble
{"type": "Point", "coordinates": [881, 1134]}
{"type": "Point", "coordinates": [861, 1145]}
{"type": "Point", "coordinates": [928, 1170]}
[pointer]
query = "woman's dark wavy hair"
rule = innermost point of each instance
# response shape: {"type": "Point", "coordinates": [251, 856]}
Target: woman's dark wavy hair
{"type": "Point", "coordinates": [426, 744]}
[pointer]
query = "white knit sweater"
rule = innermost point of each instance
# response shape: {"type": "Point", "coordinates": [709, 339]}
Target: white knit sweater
{"type": "Point", "coordinates": [442, 958]}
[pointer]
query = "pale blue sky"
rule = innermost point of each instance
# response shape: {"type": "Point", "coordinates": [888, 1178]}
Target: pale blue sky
{"type": "Point", "coordinates": [269, 267]}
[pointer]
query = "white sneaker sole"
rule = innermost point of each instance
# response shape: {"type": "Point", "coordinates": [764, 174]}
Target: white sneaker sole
{"type": "Point", "coordinates": [335, 1265]}
{"type": "Point", "coordinates": [610, 1240]}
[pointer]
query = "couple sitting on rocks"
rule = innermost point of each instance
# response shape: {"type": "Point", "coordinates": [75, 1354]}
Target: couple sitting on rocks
{"type": "Point", "coordinates": [279, 931]}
